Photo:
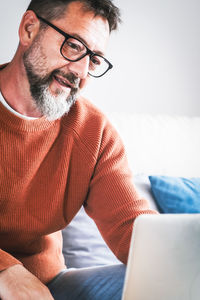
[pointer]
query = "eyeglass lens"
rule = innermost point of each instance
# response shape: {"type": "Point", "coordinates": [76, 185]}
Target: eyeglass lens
{"type": "Point", "coordinates": [74, 50]}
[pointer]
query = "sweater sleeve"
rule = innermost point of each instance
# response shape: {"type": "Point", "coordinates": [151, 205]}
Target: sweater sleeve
{"type": "Point", "coordinates": [113, 201]}
{"type": "Point", "coordinates": [7, 260]}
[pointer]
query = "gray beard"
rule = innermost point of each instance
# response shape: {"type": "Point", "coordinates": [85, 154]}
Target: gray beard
{"type": "Point", "coordinates": [52, 107]}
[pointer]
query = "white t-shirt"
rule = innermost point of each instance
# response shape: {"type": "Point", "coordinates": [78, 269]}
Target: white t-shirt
{"type": "Point", "coordinates": [3, 101]}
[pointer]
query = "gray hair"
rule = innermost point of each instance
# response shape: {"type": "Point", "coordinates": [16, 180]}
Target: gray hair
{"type": "Point", "coordinates": [55, 9]}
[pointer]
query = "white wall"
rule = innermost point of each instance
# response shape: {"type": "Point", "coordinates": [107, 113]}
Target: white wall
{"type": "Point", "coordinates": [155, 56]}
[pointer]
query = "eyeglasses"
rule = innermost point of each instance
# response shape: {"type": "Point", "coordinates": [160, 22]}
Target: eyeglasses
{"type": "Point", "coordinates": [72, 49]}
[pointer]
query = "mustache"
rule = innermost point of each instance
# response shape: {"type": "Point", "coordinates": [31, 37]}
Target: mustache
{"type": "Point", "coordinates": [74, 80]}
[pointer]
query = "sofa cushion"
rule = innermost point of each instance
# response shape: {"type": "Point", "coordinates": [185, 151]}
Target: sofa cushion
{"type": "Point", "coordinates": [83, 245]}
{"type": "Point", "coordinates": [143, 187]}
{"type": "Point", "coordinates": [176, 194]}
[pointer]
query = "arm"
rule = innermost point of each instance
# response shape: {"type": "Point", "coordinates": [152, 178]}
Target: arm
{"type": "Point", "coordinates": [19, 284]}
{"type": "Point", "coordinates": [113, 201]}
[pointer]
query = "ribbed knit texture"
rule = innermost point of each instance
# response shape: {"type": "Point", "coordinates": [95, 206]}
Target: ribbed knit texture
{"type": "Point", "coordinates": [48, 170]}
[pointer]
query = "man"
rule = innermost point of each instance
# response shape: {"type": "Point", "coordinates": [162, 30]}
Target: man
{"type": "Point", "coordinates": [58, 152]}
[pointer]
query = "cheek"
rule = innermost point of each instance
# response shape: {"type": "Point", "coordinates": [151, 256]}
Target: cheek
{"type": "Point", "coordinates": [37, 58]}
{"type": "Point", "coordinates": [50, 59]}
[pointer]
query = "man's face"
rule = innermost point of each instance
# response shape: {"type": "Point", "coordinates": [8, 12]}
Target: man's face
{"type": "Point", "coordinates": [54, 81]}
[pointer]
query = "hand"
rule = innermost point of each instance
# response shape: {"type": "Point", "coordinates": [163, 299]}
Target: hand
{"type": "Point", "coordinates": [17, 283]}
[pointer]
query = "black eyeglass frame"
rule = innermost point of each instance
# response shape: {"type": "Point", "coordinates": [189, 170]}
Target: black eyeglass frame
{"type": "Point", "coordinates": [88, 52]}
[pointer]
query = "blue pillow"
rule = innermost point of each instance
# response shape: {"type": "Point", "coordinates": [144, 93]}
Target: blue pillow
{"type": "Point", "coordinates": [176, 194]}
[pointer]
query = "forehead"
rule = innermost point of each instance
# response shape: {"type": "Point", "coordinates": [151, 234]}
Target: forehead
{"type": "Point", "coordinates": [93, 30]}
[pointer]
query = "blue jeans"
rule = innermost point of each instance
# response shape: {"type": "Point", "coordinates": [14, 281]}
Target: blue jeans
{"type": "Point", "coordinates": [96, 283]}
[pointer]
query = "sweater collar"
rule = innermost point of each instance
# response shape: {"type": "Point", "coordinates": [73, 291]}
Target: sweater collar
{"type": "Point", "coordinates": [13, 121]}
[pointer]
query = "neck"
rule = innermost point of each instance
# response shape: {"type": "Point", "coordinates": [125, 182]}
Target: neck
{"type": "Point", "coordinates": [15, 89]}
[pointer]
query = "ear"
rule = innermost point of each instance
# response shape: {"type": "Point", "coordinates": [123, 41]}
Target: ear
{"type": "Point", "coordinates": [28, 28]}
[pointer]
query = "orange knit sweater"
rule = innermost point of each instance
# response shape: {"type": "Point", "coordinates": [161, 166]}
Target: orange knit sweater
{"type": "Point", "coordinates": [48, 170]}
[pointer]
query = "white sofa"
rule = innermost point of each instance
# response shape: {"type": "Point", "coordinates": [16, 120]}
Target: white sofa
{"type": "Point", "coordinates": [155, 145]}
{"type": "Point", "coordinates": [164, 145]}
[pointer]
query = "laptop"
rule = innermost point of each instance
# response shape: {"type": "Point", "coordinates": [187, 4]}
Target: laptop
{"type": "Point", "coordinates": [164, 258]}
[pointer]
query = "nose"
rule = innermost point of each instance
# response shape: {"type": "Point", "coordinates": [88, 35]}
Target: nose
{"type": "Point", "coordinates": [80, 68]}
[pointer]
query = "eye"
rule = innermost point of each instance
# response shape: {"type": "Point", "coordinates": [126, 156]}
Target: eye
{"type": "Point", "coordinates": [73, 46]}
{"type": "Point", "coordinates": [95, 60]}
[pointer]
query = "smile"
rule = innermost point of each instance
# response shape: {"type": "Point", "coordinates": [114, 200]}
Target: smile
{"type": "Point", "coordinates": [63, 82]}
